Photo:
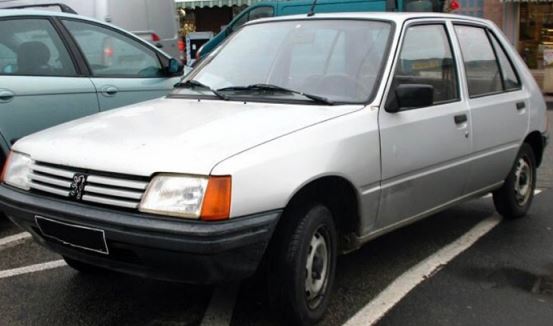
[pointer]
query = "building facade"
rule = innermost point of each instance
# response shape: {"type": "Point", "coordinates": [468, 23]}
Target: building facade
{"type": "Point", "coordinates": [529, 26]}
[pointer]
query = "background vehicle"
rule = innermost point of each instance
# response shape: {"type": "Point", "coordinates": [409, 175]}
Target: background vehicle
{"type": "Point", "coordinates": [153, 20]}
{"type": "Point", "coordinates": [293, 7]}
{"type": "Point", "coordinates": [57, 67]}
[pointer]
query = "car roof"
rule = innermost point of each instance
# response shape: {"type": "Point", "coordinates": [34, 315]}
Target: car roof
{"type": "Point", "coordinates": [38, 12]}
{"type": "Point", "coordinates": [397, 17]}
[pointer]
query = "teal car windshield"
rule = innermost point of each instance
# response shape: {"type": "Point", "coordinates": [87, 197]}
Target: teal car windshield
{"type": "Point", "coordinates": [338, 61]}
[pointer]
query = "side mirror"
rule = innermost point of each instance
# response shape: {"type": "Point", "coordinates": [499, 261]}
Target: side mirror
{"type": "Point", "coordinates": [411, 96]}
{"type": "Point", "coordinates": [174, 68]}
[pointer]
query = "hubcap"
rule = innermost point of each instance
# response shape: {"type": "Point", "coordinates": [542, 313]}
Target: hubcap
{"type": "Point", "coordinates": [316, 268]}
{"type": "Point", "coordinates": [523, 181]}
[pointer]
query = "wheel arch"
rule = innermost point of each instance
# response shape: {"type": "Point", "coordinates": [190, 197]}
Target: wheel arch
{"type": "Point", "coordinates": [535, 140]}
{"type": "Point", "coordinates": [339, 195]}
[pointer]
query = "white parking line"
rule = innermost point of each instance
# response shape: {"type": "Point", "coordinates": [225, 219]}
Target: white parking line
{"type": "Point", "coordinates": [392, 295]}
{"type": "Point", "coordinates": [14, 240]}
{"type": "Point", "coordinates": [32, 269]}
{"type": "Point", "coordinates": [221, 306]}
{"type": "Point", "coordinates": [536, 192]}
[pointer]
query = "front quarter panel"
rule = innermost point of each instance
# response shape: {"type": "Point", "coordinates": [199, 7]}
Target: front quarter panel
{"type": "Point", "coordinates": [266, 177]}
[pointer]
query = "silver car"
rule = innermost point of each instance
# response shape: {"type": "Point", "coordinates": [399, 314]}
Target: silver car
{"type": "Point", "coordinates": [298, 139]}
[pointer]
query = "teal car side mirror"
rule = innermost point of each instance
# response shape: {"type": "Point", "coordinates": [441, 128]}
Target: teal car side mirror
{"type": "Point", "coordinates": [174, 68]}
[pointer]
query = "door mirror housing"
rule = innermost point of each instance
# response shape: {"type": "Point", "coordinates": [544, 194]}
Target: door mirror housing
{"type": "Point", "coordinates": [174, 68]}
{"type": "Point", "coordinates": [411, 96]}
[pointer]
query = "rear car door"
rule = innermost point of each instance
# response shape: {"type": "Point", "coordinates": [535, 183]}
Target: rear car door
{"type": "Point", "coordinates": [424, 150]}
{"type": "Point", "coordinates": [40, 85]}
{"type": "Point", "coordinates": [498, 104]}
{"type": "Point", "coordinates": [123, 69]}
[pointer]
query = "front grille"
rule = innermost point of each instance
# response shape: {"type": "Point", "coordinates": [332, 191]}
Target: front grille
{"type": "Point", "coordinates": [99, 188]}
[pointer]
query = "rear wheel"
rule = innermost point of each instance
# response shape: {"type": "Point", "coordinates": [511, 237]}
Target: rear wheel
{"type": "Point", "coordinates": [302, 268]}
{"type": "Point", "coordinates": [514, 198]}
{"type": "Point", "coordinates": [83, 267]}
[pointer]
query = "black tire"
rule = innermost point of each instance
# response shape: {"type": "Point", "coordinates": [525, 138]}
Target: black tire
{"type": "Point", "coordinates": [83, 267]}
{"type": "Point", "coordinates": [514, 198]}
{"type": "Point", "coordinates": [303, 232]}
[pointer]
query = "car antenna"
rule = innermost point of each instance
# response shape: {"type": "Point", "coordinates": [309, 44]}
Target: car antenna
{"type": "Point", "coordinates": [312, 10]}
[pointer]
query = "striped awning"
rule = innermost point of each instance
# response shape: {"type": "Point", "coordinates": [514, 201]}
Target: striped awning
{"type": "Point", "coordinates": [192, 4]}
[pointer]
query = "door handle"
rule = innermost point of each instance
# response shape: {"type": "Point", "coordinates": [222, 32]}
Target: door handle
{"type": "Point", "coordinates": [521, 106]}
{"type": "Point", "coordinates": [6, 96]}
{"type": "Point", "coordinates": [110, 90]}
{"type": "Point", "coordinates": [461, 118]}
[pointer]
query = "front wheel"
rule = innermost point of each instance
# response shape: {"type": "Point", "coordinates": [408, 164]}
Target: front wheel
{"type": "Point", "coordinates": [301, 273]}
{"type": "Point", "coordinates": [514, 198]}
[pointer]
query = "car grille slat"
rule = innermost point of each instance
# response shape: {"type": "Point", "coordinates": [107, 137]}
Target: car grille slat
{"type": "Point", "coordinates": [98, 188]}
{"type": "Point", "coordinates": [113, 192]}
{"type": "Point", "coordinates": [51, 180]}
{"type": "Point", "coordinates": [52, 190]}
{"type": "Point", "coordinates": [110, 202]}
{"type": "Point", "coordinates": [53, 171]}
{"type": "Point", "coordinates": [117, 182]}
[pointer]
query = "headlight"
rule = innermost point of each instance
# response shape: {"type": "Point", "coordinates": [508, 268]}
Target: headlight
{"type": "Point", "coordinates": [17, 171]}
{"type": "Point", "coordinates": [188, 197]}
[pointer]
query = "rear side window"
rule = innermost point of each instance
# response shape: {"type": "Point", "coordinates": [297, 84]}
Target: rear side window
{"type": "Point", "coordinates": [32, 47]}
{"type": "Point", "coordinates": [426, 58]}
{"type": "Point", "coordinates": [111, 54]}
{"type": "Point", "coordinates": [510, 78]}
{"type": "Point", "coordinates": [481, 66]}
{"type": "Point", "coordinates": [261, 12]}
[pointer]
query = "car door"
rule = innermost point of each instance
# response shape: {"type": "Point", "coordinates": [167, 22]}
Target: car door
{"type": "Point", "coordinates": [424, 150]}
{"type": "Point", "coordinates": [123, 69]}
{"type": "Point", "coordinates": [40, 86]}
{"type": "Point", "coordinates": [498, 104]}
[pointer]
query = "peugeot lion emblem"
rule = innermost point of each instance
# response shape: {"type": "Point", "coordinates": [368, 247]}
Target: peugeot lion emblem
{"type": "Point", "coordinates": [77, 186]}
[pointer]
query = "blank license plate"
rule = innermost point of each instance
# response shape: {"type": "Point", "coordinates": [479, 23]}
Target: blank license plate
{"type": "Point", "coordinates": [73, 235]}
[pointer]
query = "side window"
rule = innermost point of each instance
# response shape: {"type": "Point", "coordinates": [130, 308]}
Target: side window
{"type": "Point", "coordinates": [482, 70]}
{"type": "Point", "coordinates": [426, 58]}
{"type": "Point", "coordinates": [241, 21]}
{"type": "Point", "coordinates": [32, 47]}
{"type": "Point", "coordinates": [255, 13]}
{"type": "Point", "coordinates": [111, 54]}
{"type": "Point", "coordinates": [510, 78]}
{"type": "Point", "coordinates": [261, 12]}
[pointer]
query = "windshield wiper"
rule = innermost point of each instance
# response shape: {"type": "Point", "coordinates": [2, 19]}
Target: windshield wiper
{"type": "Point", "coordinates": [194, 83]}
{"type": "Point", "coordinates": [276, 88]}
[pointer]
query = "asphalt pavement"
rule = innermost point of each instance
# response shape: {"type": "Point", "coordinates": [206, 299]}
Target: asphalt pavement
{"type": "Point", "coordinates": [505, 278]}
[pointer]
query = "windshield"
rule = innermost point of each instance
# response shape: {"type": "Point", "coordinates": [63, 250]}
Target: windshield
{"type": "Point", "coordinates": [336, 60]}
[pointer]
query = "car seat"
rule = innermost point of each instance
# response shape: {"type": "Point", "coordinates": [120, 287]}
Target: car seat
{"type": "Point", "coordinates": [33, 58]}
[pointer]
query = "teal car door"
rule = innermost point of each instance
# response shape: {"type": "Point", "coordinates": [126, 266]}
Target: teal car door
{"type": "Point", "coordinates": [40, 85]}
{"type": "Point", "coordinates": [123, 69]}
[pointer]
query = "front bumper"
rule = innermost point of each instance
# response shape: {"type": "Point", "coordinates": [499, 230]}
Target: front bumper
{"type": "Point", "coordinates": [151, 246]}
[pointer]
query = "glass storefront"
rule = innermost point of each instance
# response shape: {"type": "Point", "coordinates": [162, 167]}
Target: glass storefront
{"type": "Point", "coordinates": [536, 34]}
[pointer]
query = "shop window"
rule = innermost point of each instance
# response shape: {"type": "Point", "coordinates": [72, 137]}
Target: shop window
{"type": "Point", "coordinates": [536, 33]}
{"type": "Point", "coordinates": [482, 70]}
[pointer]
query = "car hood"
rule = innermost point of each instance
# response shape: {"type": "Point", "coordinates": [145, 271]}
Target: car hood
{"type": "Point", "coordinates": [170, 135]}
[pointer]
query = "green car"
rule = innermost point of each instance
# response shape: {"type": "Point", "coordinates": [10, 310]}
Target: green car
{"type": "Point", "coordinates": [56, 67]}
